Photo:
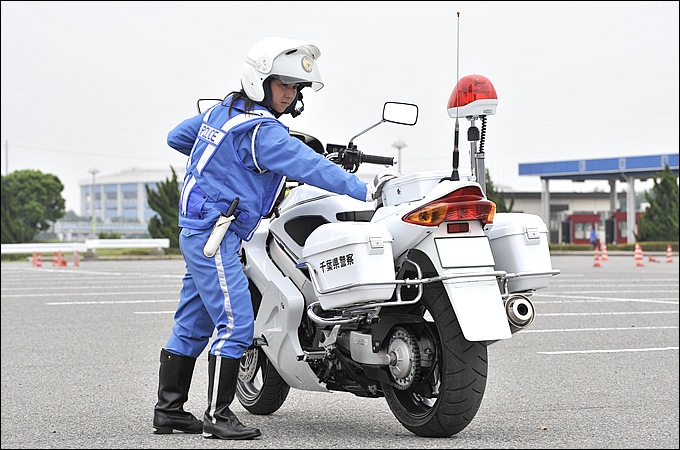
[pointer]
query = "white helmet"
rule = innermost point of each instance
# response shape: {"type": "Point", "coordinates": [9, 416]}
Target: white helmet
{"type": "Point", "coordinates": [290, 60]}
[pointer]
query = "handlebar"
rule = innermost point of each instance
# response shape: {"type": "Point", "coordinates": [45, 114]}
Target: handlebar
{"type": "Point", "coordinates": [373, 159]}
{"type": "Point", "coordinates": [350, 158]}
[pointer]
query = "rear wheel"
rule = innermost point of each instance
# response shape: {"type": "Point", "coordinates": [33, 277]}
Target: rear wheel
{"type": "Point", "coordinates": [448, 390]}
{"type": "Point", "coordinates": [260, 388]}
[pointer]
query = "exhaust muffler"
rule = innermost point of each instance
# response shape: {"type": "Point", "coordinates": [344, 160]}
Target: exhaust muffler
{"type": "Point", "coordinates": [520, 312]}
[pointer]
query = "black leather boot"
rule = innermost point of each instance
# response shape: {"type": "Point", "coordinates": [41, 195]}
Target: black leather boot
{"type": "Point", "coordinates": [219, 422]}
{"type": "Point", "coordinates": [174, 379]}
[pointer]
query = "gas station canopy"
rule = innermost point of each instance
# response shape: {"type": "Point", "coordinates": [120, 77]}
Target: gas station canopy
{"type": "Point", "coordinates": [625, 169]}
{"type": "Point", "coordinates": [621, 169]}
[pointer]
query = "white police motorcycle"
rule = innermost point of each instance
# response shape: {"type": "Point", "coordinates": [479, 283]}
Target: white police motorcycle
{"type": "Point", "coordinates": [397, 298]}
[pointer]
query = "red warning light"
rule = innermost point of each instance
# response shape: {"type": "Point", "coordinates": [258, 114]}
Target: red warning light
{"type": "Point", "coordinates": [473, 95]}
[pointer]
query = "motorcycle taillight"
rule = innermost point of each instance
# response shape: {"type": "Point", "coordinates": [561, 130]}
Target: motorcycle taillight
{"type": "Point", "coordinates": [463, 204]}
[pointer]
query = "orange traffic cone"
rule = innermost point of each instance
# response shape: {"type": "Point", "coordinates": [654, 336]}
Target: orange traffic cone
{"type": "Point", "coordinates": [653, 259]}
{"type": "Point", "coordinates": [76, 259]}
{"type": "Point", "coordinates": [669, 254]}
{"type": "Point", "coordinates": [58, 260]}
{"type": "Point", "coordinates": [37, 259]}
{"type": "Point", "coordinates": [638, 255]}
{"type": "Point", "coordinates": [605, 255]}
{"type": "Point", "coordinates": [597, 259]}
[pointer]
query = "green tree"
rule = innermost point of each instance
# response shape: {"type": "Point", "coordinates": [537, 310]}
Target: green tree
{"type": "Point", "coordinates": [498, 197]}
{"type": "Point", "coordinates": [31, 203]}
{"type": "Point", "coordinates": [11, 230]}
{"type": "Point", "coordinates": [164, 201]}
{"type": "Point", "coordinates": [660, 220]}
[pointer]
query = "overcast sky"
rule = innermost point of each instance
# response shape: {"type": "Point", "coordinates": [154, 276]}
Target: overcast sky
{"type": "Point", "coordinates": [99, 84]}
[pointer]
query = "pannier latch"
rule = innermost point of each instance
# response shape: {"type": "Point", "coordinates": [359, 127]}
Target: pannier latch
{"type": "Point", "coordinates": [376, 245]}
{"type": "Point", "coordinates": [533, 233]}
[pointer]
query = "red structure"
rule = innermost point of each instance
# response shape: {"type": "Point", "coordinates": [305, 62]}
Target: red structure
{"type": "Point", "coordinates": [576, 229]}
{"type": "Point", "coordinates": [616, 227]}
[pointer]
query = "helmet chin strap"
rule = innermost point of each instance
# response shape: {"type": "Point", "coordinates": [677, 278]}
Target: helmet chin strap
{"type": "Point", "coordinates": [297, 110]}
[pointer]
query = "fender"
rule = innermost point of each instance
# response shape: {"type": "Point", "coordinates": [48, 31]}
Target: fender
{"type": "Point", "coordinates": [279, 316]}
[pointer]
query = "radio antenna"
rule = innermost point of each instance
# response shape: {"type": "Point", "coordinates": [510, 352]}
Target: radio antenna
{"type": "Point", "coordinates": [456, 133]}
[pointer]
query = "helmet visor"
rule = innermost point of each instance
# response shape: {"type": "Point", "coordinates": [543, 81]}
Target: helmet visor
{"type": "Point", "coordinates": [297, 66]}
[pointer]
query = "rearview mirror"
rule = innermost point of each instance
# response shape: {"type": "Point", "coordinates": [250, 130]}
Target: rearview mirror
{"type": "Point", "coordinates": [205, 104]}
{"type": "Point", "coordinates": [401, 113]}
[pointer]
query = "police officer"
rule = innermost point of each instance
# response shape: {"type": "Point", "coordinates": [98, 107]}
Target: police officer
{"type": "Point", "coordinates": [237, 149]}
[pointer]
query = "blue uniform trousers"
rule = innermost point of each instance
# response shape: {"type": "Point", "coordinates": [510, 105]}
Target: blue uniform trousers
{"type": "Point", "coordinates": [214, 295]}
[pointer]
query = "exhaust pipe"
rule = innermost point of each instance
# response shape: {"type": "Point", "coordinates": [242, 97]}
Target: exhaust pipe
{"type": "Point", "coordinates": [520, 312]}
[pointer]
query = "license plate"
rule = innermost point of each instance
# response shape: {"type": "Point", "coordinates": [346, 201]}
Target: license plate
{"type": "Point", "coordinates": [464, 252]}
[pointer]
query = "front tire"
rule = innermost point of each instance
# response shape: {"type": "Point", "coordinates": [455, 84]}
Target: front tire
{"type": "Point", "coordinates": [260, 388]}
{"type": "Point", "coordinates": [449, 394]}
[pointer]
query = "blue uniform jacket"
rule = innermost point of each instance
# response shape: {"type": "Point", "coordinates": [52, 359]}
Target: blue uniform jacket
{"type": "Point", "coordinates": [246, 155]}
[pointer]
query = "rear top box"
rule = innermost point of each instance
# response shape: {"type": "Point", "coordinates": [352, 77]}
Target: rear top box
{"type": "Point", "coordinates": [519, 243]}
{"type": "Point", "coordinates": [412, 187]}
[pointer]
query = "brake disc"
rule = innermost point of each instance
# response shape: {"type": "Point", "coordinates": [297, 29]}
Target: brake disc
{"type": "Point", "coordinates": [248, 366]}
{"type": "Point", "coordinates": [404, 353]}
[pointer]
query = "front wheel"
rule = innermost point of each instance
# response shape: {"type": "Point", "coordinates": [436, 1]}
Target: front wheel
{"type": "Point", "coordinates": [443, 395]}
{"type": "Point", "coordinates": [260, 388]}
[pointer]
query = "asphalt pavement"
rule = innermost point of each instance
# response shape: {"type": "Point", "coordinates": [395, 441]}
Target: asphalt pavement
{"type": "Point", "coordinates": [598, 368]}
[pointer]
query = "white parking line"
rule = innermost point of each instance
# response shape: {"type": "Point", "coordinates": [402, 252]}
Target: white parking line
{"type": "Point", "coordinates": [569, 330]}
{"type": "Point", "coordinates": [88, 294]}
{"type": "Point", "coordinates": [589, 301]}
{"type": "Point", "coordinates": [609, 291]}
{"type": "Point", "coordinates": [112, 302]}
{"type": "Point", "coordinates": [621, 313]}
{"type": "Point", "coordinates": [113, 283]}
{"type": "Point", "coordinates": [625, 350]}
{"type": "Point", "coordinates": [669, 300]}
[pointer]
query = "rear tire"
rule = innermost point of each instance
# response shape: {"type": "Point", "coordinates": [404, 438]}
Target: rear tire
{"type": "Point", "coordinates": [459, 375]}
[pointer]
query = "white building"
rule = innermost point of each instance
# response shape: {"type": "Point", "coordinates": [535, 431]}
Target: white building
{"type": "Point", "coordinates": [121, 196]}
{"type": "Point", "coordinates": [118, 203]}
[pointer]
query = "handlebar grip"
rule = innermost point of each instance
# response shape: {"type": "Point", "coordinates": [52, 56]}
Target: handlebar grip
{"type": "Point", "coordinates": [372, 159]}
